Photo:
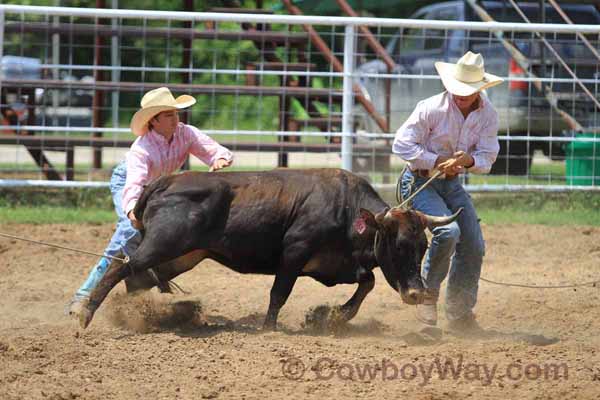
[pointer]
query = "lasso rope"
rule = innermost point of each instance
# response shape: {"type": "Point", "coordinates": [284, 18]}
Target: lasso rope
{"type": "Point", "coordinates": [576, 285]}
{"type": "Point", "coordinates": [124, 260]}
{"type": "Point", "coordinates": [399, 196]}
{"type": "Point", "coordinates": [400, 199]}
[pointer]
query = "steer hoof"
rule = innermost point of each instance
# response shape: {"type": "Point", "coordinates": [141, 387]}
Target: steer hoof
{"type": "Point", "coordinates": [339, 315]}
{"type": "Point", "coordinates": [412, 296]}
{"type": "Point", "coordinates": [269, 326]}
{"type": "Point", "coordinates": [85, 317]}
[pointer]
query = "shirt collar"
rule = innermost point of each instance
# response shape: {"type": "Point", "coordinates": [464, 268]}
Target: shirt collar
{"type": "Point", "coordinates": [450, 103]}
{"type": "Point", "coordinates": [161, 138]}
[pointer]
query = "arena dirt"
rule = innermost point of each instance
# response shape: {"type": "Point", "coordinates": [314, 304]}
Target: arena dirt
{"type": "Point", "coordinates": [536, 344]}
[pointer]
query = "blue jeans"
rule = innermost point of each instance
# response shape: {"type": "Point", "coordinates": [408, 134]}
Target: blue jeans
{"type": "Point", "coordinates": [458, 246]}
{"type": "Point", "coordinates": [125, 240]}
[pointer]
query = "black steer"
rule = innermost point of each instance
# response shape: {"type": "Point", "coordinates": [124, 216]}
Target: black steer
{"type": "Point", "coordinates": [328, 224]}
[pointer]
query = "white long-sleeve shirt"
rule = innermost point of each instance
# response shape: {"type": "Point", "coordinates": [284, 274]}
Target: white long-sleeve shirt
{"type": "Point", "coordinates": [437, 128]}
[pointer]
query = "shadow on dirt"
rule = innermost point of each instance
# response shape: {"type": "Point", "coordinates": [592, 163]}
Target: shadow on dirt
{"type": "Point", "coordinates": [431, 336]}
{"type": "Point", "coordinates": [148, 313]}
{"type": "Point", "coordinates": [152, 313]}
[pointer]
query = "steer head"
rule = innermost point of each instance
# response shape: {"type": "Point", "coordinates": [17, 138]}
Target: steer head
{"type": "Point", "coordinates": [399, 246]}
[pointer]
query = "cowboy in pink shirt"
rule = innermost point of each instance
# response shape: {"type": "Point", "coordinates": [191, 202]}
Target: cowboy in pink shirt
{"type": "Point", "coordinates": [161, 148]}
{"type": "Point", "coordinates": [451, 132]}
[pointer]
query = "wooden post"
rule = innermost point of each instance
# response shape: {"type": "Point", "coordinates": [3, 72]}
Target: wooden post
{"type": "Point", "coordinates": [186, 57]}
{"type": "Point", "coordinates": [98, 99]}
{"type": "Point", "coordinates": [70, 161]}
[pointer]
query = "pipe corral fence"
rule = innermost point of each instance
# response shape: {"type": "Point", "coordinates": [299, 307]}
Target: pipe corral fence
{"type": "Point", "coordinates": [290, 90]}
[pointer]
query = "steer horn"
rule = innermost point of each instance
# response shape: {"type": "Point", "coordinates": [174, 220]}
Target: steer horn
{"type": "Point", "coordinates": [434, 222]}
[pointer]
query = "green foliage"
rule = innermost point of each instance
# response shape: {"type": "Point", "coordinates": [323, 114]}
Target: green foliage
{"type": "Point", "coordinates": [44, 3]}
{"type": "Point", "coordinates": [213, 111]}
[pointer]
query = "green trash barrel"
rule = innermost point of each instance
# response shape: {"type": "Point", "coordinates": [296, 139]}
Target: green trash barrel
{"type": "Point", "coordinates": [583, 161]}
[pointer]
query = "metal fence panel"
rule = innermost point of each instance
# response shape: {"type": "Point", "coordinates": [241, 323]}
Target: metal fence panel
{"type": "Point", "coordinates": [296, 91]}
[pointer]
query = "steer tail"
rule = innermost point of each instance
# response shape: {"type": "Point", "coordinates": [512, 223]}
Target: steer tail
{"type": "Point", "coordinates": [156, 186]}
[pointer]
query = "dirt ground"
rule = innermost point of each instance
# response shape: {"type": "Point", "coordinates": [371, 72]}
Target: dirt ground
{"type": "Point", "coordinates": [537, 344]}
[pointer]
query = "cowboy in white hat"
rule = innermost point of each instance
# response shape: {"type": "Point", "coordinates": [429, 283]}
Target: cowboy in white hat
{"type": "Point", "coordinates": [162, 146]}
{"type": "Point", "coordinates": [452, 132]}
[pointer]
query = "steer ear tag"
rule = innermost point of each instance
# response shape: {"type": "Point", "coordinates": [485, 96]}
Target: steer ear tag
{"type": "Point", "coordinates": [360, 225]}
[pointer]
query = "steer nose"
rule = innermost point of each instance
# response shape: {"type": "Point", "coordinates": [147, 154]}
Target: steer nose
{"type": "Point", "coordinates": [413, 296]}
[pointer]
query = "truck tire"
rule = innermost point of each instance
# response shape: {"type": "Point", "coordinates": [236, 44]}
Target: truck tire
{"type": "Point", "coordinates": [514, 158]}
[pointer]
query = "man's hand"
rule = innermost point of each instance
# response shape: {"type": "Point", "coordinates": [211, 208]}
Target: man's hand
{"type": "Point", "coordinates": [454, 165]}
{"type": "Point", "coordinates": [134, 221]}
{"type": "Point", "coordinates": [464, 159]}
{"type": "Point", "coordinates": [219, 163]}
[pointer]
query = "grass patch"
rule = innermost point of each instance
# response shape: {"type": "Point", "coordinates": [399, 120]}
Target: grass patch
{"type": "Point", "coordinates": [573, 208]}
{"type": "Point", "coordinates": [540, 217]}
{"type": "Point", "coordinates": [79, 200]}
{"type": "Point", "coordinates": [55, 215]}
{"type": "Point", "coordinates": [46, 206]}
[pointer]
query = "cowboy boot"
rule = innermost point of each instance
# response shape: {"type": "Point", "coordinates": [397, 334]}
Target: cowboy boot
{"type": "Point", "coordinates": [466, 325]}
{"type": "Point", "coordinates": [427, 311]}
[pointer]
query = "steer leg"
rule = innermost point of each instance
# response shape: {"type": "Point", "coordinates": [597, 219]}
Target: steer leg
{"type": "Point", "coordinates": [366, 283]}
{"type": "Point", "coordinates": [149, 254]}
{"type": "Point", "coordinates": [174, 268]}
{"type": "Point", "coordinates": [116, 273]}
{"type": "Point", "coordinates": [293, 261]}
{"type": "Point", "coordinates": [165, 272]}
{"type": "Point", "coordinates": [284, 282]}
{"type": "Point", "coordinates": [145, 281]}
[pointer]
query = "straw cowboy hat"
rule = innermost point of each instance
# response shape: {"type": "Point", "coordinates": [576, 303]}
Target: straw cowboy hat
{"type": "Point", "coordinates": [154, 102]}
{"type": "Point", "coordinates": [467, 76]}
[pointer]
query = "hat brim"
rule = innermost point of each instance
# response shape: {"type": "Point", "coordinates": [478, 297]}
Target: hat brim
{"type": "Point", "coordinates": [446, 71]}
{"type": "Point", "coordinates": [139, 122]}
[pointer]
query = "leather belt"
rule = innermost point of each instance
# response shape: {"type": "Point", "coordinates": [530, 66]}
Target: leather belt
{"type": "Point", "coordinates": [424, 173]}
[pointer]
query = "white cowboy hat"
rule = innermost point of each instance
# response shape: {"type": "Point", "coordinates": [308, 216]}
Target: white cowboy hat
{"type": "Point", "coordinates": [154, 102]}
{"type": "Point", "coordinates": [467, 76]}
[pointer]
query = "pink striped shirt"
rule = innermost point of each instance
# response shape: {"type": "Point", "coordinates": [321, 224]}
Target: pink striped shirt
{"type": "Point", "coordinates": [151, 156]}
{"type": "Point", "coordinates": [437, 128]}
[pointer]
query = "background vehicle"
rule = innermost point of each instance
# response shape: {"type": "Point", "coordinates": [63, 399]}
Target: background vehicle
{"type": "Point", "coordinates": [523, 111]}
{"type": "Point", "coordinates": [68, 108]}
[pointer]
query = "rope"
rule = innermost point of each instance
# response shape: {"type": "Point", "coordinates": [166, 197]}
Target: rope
{"type": "Point", "coordinates": [434, 176]}
{"type": "Point", "coordinates": [399, 197]}
{"type": "Point", "coordinates": [576, 285]}
{"type": "Point", "coordinates": [375, 243]}
{"type": "Point", "coordinates": [124, 260]}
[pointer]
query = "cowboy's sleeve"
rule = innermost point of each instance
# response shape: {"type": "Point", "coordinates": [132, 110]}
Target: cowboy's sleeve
{"type": "Point", "coordinates": [138, 167]}
{"type": "Point", "coordinates": [205, 148]}
{"type": "Point", "coordinates": [409, 142]}
{"type": "Point", "coordinates": [487, 147]}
